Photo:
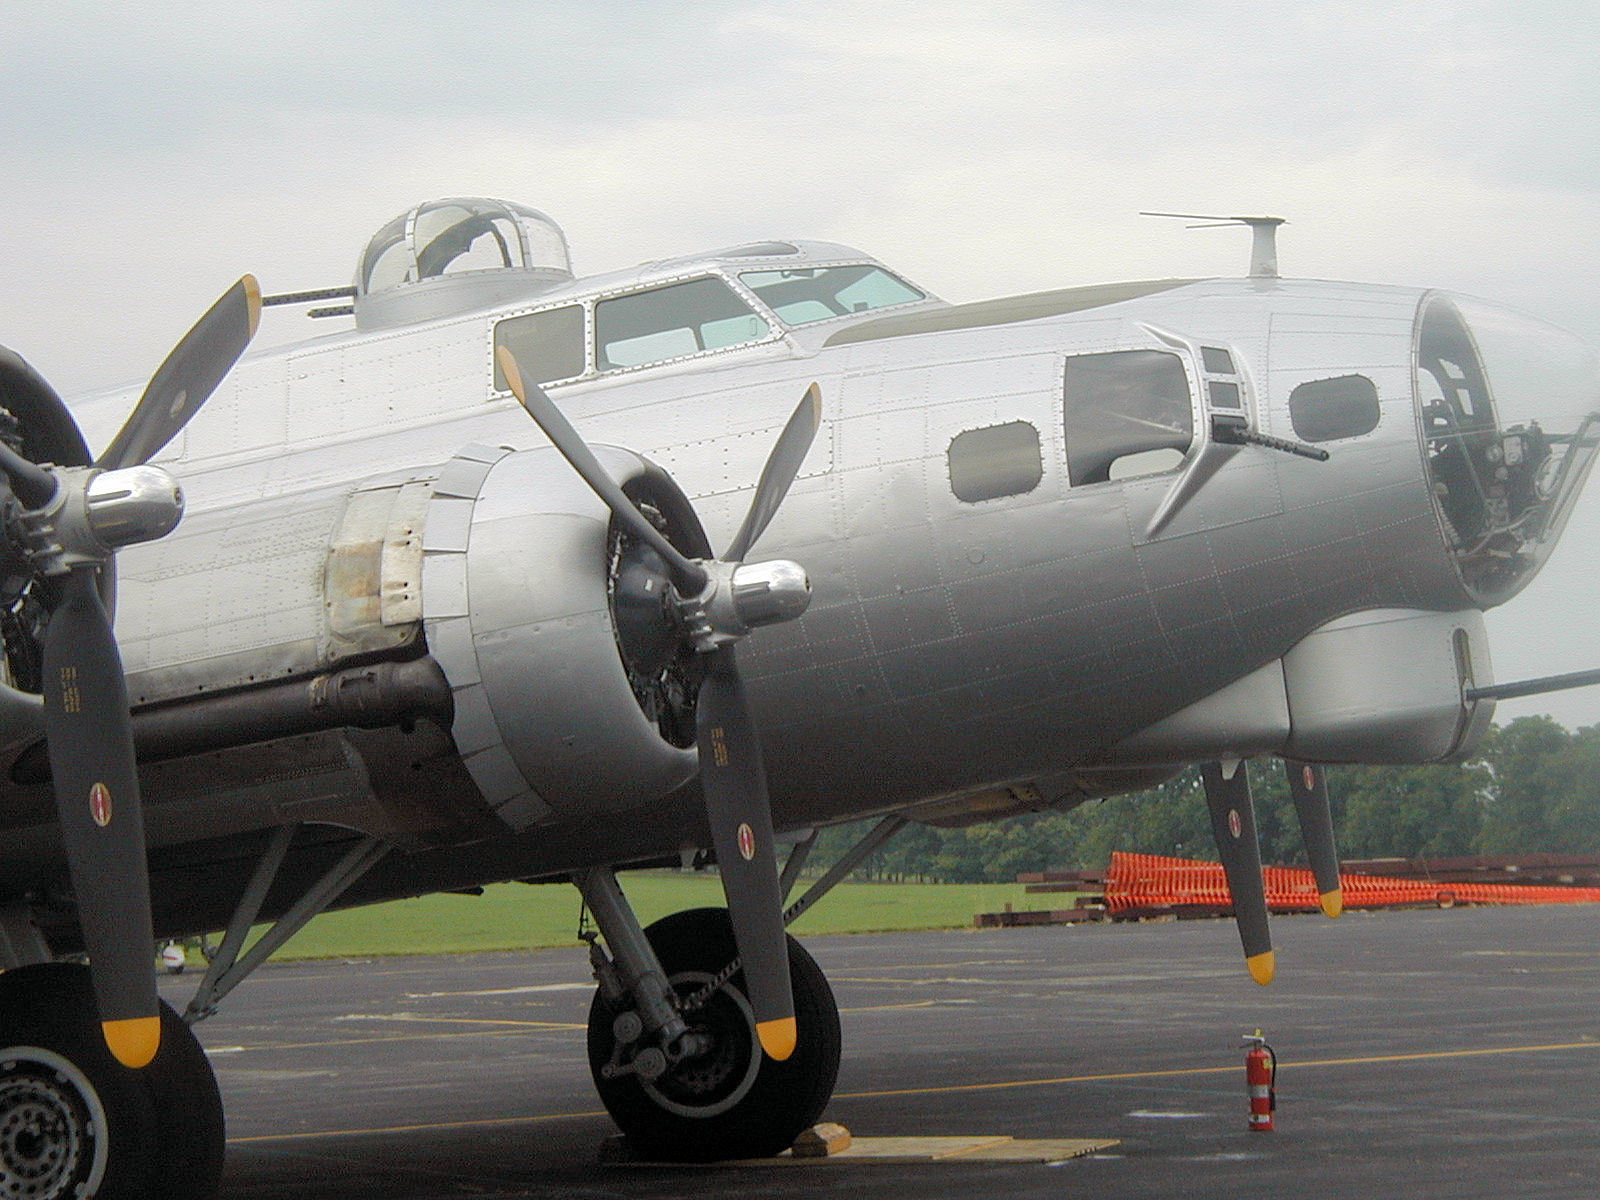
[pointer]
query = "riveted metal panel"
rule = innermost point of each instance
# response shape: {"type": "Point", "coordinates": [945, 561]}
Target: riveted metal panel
{"type": "Point", "coordinates": [400, 597]}
{"type": "Point", "coordinates": [372, 583]}
{"type": "Point", "coordinates": [519, 812]}
{"type": "Point", "coordinates": [444, 585]}
{"type": "Point", "coordinates": [496, 774]}
{"type": "Point", "coordinates": [450, 642]}
{"type": "Point", "coordinates": [449, 524]}
{"type": "Point", "coordinates": [461, 477]}
{"type": "Point", "coordinates": [474, 727]}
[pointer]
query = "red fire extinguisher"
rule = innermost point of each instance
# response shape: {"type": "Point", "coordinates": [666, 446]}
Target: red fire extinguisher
{"type": "Point", "coordinates": [1261, 1076]}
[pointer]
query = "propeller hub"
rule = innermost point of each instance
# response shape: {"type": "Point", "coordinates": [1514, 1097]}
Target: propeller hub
{"type": "Point", "coordinates": [135, 504]}
{"type": "Point", "coordinates": [770, 592]}
{"type": "Point", "coordinates": [739, 597]}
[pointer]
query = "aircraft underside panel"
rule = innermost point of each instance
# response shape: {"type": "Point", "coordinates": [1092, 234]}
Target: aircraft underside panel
{"type": "Point", "coordinates": [1385, 685]}
{"type": "Point", "coordinates": [1389, 686]}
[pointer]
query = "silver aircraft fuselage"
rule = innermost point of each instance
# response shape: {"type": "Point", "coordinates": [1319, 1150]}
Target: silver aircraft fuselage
{"type": "Point", "coordinates": [1027, 591]}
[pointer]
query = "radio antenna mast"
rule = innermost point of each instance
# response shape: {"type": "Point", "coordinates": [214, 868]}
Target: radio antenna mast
{"type": "Point", "coordinates": [1263, 237]}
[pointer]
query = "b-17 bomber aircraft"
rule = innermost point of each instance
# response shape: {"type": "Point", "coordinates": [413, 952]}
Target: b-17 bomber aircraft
{"type": "Point", "coordinates": [534, 577]}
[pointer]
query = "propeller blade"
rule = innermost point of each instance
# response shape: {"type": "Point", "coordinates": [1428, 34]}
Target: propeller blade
{"type": "Point", "coordinates": [1233, 822]}
{"type": "Point", "coordinates": [783, 464]}
{"type": "Point", "coordinates": [689, 578]}
{"type": "Point", "coordinates": [186, 380]}
{"type": "Point", "coordinates": [1308, 785]}
{"type": "Point", "coordinates": [90, 740]}
{"type": "Point", "coordinates": [735, 785]}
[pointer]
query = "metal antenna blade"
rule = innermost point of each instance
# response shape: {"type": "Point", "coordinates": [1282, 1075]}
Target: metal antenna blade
{"type": "Point", "coordinates": [1308, 785]}
{"type": "Point", "coordinates": [186, 380]}
{"type": "Point", "coordinates": [90, 742]}
{"type": "Point", "coordinates": [783, 464]}
{"type": "Point", "coordinates": [735, 784]}
{"type": "Point", "coordinates": [688, 577]}
{"type": "Point", "coordinates": [1233, 822]}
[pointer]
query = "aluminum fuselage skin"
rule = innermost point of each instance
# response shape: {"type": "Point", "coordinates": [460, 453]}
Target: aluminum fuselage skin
{"type": "Point", "coordinates": [951, 648]}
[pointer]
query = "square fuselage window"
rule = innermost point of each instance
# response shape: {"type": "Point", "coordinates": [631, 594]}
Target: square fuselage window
{"type": "Point", "coordinates": [548, 344]}
{"type": "Point", "coordinates": [1127, 413]}
{"type": "Point", "coordinates": [995, 461]}
{"type": "Point", "coordinates": [1325, 410]}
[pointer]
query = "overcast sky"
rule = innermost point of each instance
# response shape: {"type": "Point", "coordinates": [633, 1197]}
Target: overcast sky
{"type": "Point", "coordinates": [154, 153]}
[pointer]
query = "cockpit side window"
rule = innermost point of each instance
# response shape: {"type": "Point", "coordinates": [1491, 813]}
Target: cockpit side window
{"type": "Point", "coordinates": [1127, 413]}
{"type": "Point", "coordinates": [549, 344]}
{"type": "Point", "coordinates": [806, 295]}
{"type": "Point", "coordinates": [672, 322]}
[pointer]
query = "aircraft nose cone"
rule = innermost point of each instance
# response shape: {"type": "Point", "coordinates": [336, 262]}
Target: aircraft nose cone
{"type": "Point", "coordinates": [1510, 417]}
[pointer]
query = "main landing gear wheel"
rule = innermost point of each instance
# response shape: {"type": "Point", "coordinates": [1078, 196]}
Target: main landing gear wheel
{"type": "Point", "coordinates": [730, 1101]}
{"type": "Point", "coordinates": [76, 1123]}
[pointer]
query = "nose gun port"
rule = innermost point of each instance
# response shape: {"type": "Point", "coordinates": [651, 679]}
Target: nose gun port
{"type": "Point", "coordinates": [1510, 418]}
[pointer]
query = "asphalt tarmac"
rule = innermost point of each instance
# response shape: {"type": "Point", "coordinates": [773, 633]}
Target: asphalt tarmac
{"type": "Point", "coordinates": [1426, 1054]}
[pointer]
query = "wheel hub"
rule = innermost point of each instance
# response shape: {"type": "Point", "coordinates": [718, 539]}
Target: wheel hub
{"type": "Point", "coordinates": [716, 1078]}
{"type": "Point", "coordinates": [48, 1132]}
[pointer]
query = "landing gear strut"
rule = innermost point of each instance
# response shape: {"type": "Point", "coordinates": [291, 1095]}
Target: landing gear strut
{"type": "Point", "coordinates": [720, 1097]}
{"type": "Point", "coordinates": [75, 1123]}
{"type": "Point", "coordinates": [672, 1037]}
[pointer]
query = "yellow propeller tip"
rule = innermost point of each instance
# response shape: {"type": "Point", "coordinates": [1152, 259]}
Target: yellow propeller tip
{"type": "Point", "coordinates": [252, 298]}
{"type": "Point", "coordinates": [1263, 966]}
{"type": "Point", "coordinates": [134, 1041]}
{"type": "Point", "coordinates": [1333, 902]}
{"type": "Point", "coordinates": [778, 1038]}
{"type": "Point", "coordinates": [508, 366]}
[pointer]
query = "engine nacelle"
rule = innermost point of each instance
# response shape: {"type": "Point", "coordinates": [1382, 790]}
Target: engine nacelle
{"type": "Point", "coordinates": [519, 563]}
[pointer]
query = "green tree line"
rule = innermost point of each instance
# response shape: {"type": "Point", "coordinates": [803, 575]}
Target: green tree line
{"type": "Point", "coordinates": [1533, 786]}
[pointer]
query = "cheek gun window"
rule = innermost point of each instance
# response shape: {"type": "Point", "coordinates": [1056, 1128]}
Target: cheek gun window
{"type": "Point", "coordinates": [672, 322]}
{"type": "Point", "coordinates": [1325, 410]}
{"type": "Point", "coordinates": [1128, 413]}
{"type": "Point", "coordinates": [998, 460]}
{"type": "Point", "coordinates": [550, 343]}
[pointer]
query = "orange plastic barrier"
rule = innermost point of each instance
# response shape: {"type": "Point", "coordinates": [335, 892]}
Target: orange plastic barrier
{"type": "Point", "coordinates": [1153, 881]}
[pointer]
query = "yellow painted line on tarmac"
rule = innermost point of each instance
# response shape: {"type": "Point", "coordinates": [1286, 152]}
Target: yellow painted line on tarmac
{"type": "Point", "coordinates": [1427, 1054]}
{"type": "Point", "coordinates": [1001, 1085]}
{"type": "Point", "coordinates": [1005, 1084]}
{"type": "Point", "coordinates": [920, 982]}
{"type": "Point", "coordinates": [365, 1041]}
{"type": "Point", "coordinates": [970, 962]}
{"type": "Point", "coordinates": [482, 1123]}
{"type": "Point", "coordinates": [890, 1007]}
{"type": "Point", "coordinates": [1530, 954]}
{"type": "Point", "coordinates": [472, 1021]}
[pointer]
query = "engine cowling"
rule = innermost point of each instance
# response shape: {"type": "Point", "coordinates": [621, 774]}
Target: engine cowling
{"type": "Point", "coordinates": [525, 581]}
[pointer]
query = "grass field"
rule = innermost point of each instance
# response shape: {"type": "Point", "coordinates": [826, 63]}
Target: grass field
{"type": "Point", "coordinates": [515, 916]}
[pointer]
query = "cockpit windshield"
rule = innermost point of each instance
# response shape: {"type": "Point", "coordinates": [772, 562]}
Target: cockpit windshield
{"type": "Point", "coordinates": [805, 295]}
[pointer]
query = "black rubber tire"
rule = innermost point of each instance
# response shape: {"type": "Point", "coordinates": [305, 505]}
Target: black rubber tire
{"type": "Point", "coordinates": [48, 1010]}
{"type": "Point", "coordinates": [784, 1099]}
{"type": "Point", "coordinates": [191, 1137]}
